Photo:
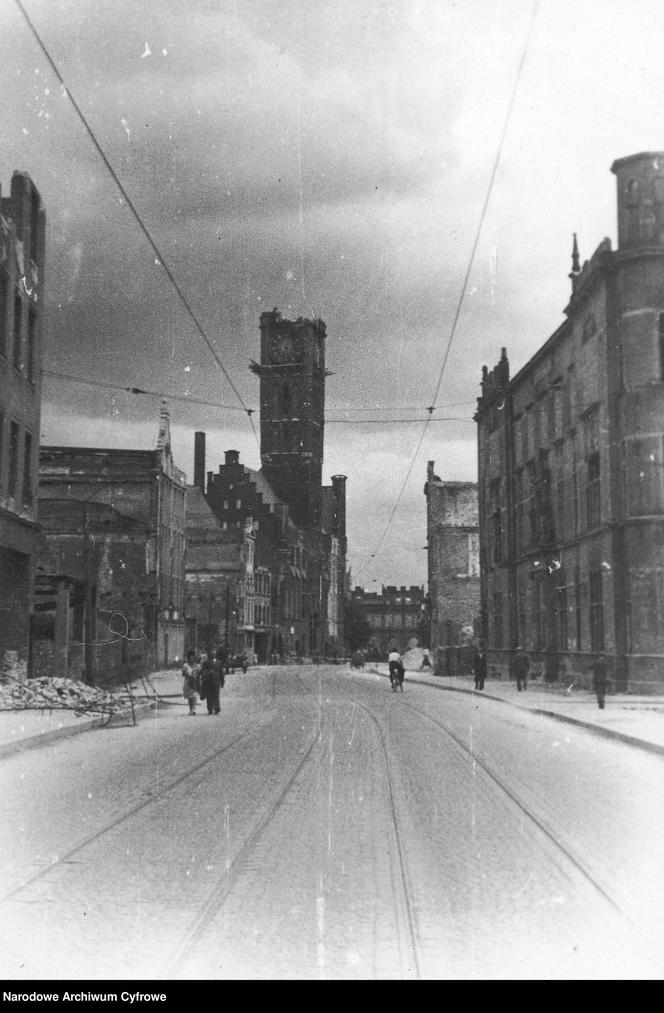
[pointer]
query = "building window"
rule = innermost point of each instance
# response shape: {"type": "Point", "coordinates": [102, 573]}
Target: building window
{"type": "Point", "coordinates": [4, 288]}
{"type": "Point", "coordinates": [34, 226]}
{"type": "Point", "coordinates": [596, 611]}
{"type": "Point", "coordinates": [27, 469]}
{"type": "Point", "coordinates": [286, 400]}
{"type": "Point", "coordinates": [518, 496]}
{"type": "Point", "coordinates": [578, 606]}
{"type": "Point", "coordinates": [568, 399]}
{"type": "Point", "coordinates": [522, 632]}
{"type": "Point", "coordinates": [498, 640]}
{"type": "Point", "coordinates": [644, 476]}
{"type": "Point", "coordinates": [12, 481]}
{"type": "Point", "coordinates": [18, 316]}
{"type": "Point", "coordinates": [32, 344]}
{"type": "Point", "coordinates": [593, 492]}
{"type": "Point", "coordinates": [589, 328]}
{"type": "Point", "coordinates": [496, 520]}
{"type": "Point", "coordinates": [238, 504]}
{"type": "Point", "coordinates": [473, 555]}
{"type": "Point", "coordinates": [552, 413]}
{"type": "Point", "coordinates": [562, 618]}
{"type": "Point", "coordinates": [560, 508]}
{"type": "Point", "coordinates": [633, 193]}
{"type": "Point", "coordinates": [540, 615]}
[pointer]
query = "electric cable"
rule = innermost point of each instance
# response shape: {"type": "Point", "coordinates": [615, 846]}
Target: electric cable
{"type": "Point", "coordinates": [471, 259]}
{"type": "Point", "coordinates": [161, 261]}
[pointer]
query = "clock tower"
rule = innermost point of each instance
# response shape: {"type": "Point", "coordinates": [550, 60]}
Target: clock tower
{"type": "Point", "coordinates": [292, 398]}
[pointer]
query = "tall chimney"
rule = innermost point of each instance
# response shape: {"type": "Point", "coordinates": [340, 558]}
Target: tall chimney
{"type": "Point", "coordinates": [199, 461]}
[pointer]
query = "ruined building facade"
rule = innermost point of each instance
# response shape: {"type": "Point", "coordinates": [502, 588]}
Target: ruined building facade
{"type": "Point", "coordinates": [22, 245]}
{"type": "Point", "coordinates": [109, 586]}
{"type": "Point", "coordinates": [453, 562]}
{"type": "Point", "coordinates": [571, 466]}
{"type": "Point", "coordinates": [398, 617]}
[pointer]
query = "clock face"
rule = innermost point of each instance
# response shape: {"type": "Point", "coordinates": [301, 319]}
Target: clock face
{"type": "Point", "coordinates": [284, 348]}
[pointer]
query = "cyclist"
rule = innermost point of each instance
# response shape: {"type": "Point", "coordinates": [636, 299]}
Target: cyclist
{"type": "Point", "coordinates": [395, 663]}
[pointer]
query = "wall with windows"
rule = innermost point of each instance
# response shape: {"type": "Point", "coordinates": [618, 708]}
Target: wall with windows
{"type": "Point", "coordinates": [571, 468]}
{"type": "Point", "coordinates": [453, 558]}
{"type": "Point", "coordinates": [22, 232]}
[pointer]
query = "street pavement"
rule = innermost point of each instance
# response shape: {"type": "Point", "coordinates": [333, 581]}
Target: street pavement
{"type": "Point", "coordinates": [637, 720]}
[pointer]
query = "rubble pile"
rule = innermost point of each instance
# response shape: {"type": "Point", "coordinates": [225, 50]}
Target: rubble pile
{"type": "Point", "coordinates": [44, 693]}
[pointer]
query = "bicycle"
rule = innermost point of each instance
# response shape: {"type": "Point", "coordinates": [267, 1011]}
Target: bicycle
{"type": "Point", "coordinates": [396, 676]}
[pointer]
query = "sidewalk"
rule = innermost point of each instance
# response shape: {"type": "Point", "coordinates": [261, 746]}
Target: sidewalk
{"type": "Point", "coordinates": [29, 728]}
{"type": "Point", "coordinates": [636, 720]}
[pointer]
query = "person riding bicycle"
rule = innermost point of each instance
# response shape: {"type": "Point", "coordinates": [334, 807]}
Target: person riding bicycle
{"type": "Point", "coordinates": [397, 670]}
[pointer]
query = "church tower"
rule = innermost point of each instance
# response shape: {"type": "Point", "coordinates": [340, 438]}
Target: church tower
{"type": "Point", "coordinates": [292, 398]}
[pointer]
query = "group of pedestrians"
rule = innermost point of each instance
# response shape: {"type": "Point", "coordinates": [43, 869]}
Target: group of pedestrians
{"type": "Point", "coordinates": [521, 670]}
{"type": "Point", "coordinates": [203, 678]}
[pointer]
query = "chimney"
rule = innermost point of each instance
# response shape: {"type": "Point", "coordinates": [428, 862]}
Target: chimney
{"type": "Point", "coordinates": [199, 461]}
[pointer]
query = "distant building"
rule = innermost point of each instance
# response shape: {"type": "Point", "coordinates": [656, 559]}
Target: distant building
{"type": "Point", "coordinates": [453, 559]}
{"type": "Point", "coordinates": [22, 245]}
{"type": "Point", "coordinates": [398, 617]}
{"type": "Point", "coordinates": [571, 466]}
{"type": "Point", "coordinates": [291, 605]}
{"type": "Point", "coordinates": [109, 587]}
{"type": "Point", "coordinates": [214, 573]}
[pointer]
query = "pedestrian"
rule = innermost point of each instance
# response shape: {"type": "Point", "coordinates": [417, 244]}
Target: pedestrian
{"type": "Point", "coordinates": [426, 661]}
{"type": "Point", "coordinates": [521, 667]}
{"type": "Point", "coordinates": [600, 670]}
{"type": "Point", "coordinates": [216, 681]}
{"type": "Point", "coordinates": [190, 684]}
{"type": "Point", "coordinates": [204, 674]}
{"type": "Point", "coordinates": [479, 667]}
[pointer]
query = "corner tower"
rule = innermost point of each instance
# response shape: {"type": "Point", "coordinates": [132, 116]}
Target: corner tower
{"type": "Point", "coordinates": [292, 397]}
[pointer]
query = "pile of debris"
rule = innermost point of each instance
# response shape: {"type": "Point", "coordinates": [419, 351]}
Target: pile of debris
{"type": "Point", "coordinates": [44, 693]}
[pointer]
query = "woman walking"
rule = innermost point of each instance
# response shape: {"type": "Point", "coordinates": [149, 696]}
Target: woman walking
{"type": "Point", "coordinates": [190, 681]}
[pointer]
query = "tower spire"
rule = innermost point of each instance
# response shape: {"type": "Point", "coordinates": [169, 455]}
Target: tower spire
{"type": "Point", "coordinates": [575, 255]}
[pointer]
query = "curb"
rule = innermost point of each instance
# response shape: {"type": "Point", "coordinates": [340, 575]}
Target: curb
{"type": "Point", "coordinates": [44, 738]}
{"type": "Point", "coordinates": [608, 733]}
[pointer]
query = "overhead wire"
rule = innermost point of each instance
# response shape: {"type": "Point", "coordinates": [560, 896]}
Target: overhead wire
{"type": "Point", "coordinates": [130, 204]}
{"type": "Point", "coordinates": [466, 277]}
{"type": "Point", "coordinates": [217, 404]}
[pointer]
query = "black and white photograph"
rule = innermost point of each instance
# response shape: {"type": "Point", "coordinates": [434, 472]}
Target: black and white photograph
{"type": "Point", "coordinates": [331, 492]}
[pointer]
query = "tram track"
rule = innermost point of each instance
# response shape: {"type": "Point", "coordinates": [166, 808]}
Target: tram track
{"type": "Point", "coordinates": [219, 894]}
{"type": "Point", "coordinates": [155, 798]}
{"type": "Point", "coordinates": [403, 900]}
{"type": "Point", "coordinates": [526, 810]}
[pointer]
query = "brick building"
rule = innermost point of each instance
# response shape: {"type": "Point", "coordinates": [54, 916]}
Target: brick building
{"type": "Point", "coordinates": [290, 581]}
{"type": "Point", "coordinates": [22, 244]}
{"type": "Point", "coordinates": [109, 585]}
{"type": "Point", "coordinates": [215, 570]}
{"type": "Point", "coordinates": [571, 465]}
{"type": "Point", "coordinates": [453, 561]}
{"type": "Point", "coordinates": [398, 616]}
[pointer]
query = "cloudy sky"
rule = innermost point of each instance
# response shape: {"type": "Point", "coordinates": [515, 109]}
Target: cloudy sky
{"type": "Point", "coordinates": [331, 160]}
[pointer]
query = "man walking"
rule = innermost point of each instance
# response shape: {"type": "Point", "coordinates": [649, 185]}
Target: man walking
{"type": "Point", "coordinates": [479, 667]}
{"type": "Point", "coordinates": [521, 667]}
{"type": "Point", "coordinates": [599, 668]}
